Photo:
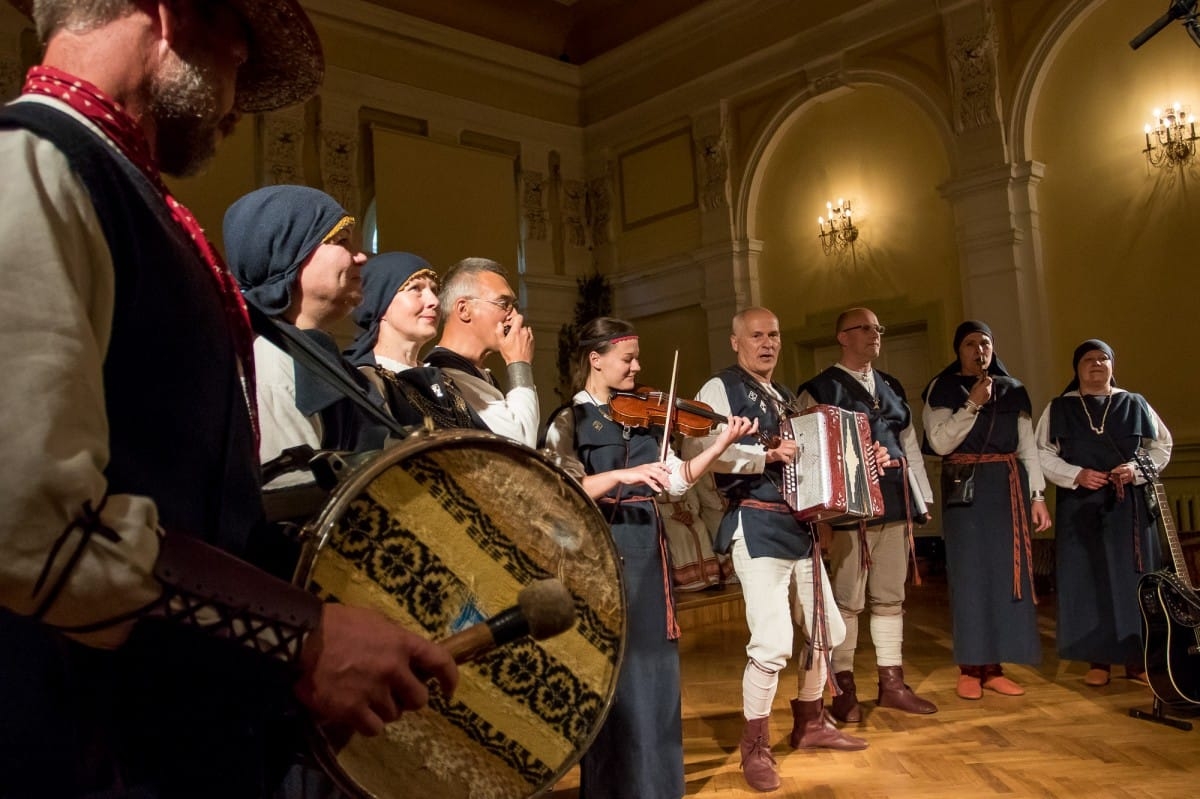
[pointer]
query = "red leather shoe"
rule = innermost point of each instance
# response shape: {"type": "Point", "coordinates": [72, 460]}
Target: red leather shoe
{"type": "Point", "coordinates": [968, 687]}
{"type": "Point", "coordinates": [1003, 686]}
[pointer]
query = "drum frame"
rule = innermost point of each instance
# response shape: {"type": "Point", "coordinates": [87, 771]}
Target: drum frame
{"type": "Point", "coordinates": [315, 535]}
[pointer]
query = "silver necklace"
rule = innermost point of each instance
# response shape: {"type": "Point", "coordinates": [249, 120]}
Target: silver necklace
{"type": "Point", "coordinates": [867, 379]}
{"type": "Point", "coordinates": [1103, 418]}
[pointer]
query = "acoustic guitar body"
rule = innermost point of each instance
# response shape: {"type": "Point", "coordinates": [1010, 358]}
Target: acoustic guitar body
{"type": "Point", "coordinates": [1171, 616]}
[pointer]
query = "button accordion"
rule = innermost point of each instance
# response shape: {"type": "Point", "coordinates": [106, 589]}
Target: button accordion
{"type": "Point", "coordinates": [835, 477]}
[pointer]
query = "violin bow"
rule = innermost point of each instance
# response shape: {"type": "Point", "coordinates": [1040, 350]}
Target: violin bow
{"type": "Point", "coordinates": [666, 442]}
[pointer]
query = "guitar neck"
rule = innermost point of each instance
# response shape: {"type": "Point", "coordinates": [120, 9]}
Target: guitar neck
{"type": "Point", "coordinates": [1172, 535]}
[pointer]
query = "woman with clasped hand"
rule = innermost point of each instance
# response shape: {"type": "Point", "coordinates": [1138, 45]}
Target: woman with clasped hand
{"type": "Point", "coordinates": [978, 419]}
{"type": "Point", "coordinates": [1087, 438]}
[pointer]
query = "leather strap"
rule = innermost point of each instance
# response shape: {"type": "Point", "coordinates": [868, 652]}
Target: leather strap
{"type": "Point", "coordinates": [228, 598]}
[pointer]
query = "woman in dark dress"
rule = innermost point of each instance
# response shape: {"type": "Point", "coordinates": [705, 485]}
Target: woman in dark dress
{"type": "Point", "coordinates": [639, 750]}
{"type": "Point", "coordinates": [1106, 537]}
{"type": "Point", "coordinates": [397, 317]}
{"type": "Point", "coordinates": [978, 418]}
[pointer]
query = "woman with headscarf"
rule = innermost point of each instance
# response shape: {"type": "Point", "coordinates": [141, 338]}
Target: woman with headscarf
{"type": "Point", "coordinates": [399, 315]}
{"type": "Point", "coordinates": [638, 752]}
{"type": "Point", "coordinates": [290, 249]}
{"type": "Point", "coordinates": [1087, 438]}
{"type": "Point", "coordinates": [978, 418]}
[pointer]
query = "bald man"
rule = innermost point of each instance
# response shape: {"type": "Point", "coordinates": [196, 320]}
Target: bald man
{"type": "Point", "coordinates": [771, 552]}
{"type": "Point", "coordinates": [869, 560]}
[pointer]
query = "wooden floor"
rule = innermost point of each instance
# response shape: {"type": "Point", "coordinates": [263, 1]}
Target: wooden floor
{"type": "Point", "coordinates": [1062, 739]}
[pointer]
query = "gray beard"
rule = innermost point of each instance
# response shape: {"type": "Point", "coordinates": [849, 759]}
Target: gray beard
{"type": "Point", "coordinates": [184, 107]}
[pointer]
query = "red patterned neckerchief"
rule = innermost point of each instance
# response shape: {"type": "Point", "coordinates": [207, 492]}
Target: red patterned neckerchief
{"type": "Point", "coordinates": [107, 114]}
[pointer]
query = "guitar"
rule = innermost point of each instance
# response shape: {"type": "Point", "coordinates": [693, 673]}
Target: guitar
{"type": "Point", "coordinates": [1170, 609]}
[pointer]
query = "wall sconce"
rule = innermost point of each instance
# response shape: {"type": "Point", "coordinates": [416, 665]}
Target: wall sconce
{"type": "Point", "coordinates": [838, 231]}
{"type": "Point", "coordinates": [1172, 141]}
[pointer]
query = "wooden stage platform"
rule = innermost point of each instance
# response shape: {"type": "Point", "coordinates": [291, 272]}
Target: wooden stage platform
{"type": "Point", "coordinates": [1062, 739]}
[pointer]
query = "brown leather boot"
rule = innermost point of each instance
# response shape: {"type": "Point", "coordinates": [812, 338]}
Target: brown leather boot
{"type": "Point", "coordinates": [758, 764]}
{"type": "Point", "coordinates": [844, 707]}
{"type": "Point", "coordinates": [894, 693]}
{"type": "Point", "coordinates": [813, 728]}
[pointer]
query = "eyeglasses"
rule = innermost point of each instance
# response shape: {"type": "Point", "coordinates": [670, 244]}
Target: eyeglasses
{"type": "Point", "coordinates": [880, 329]}
{"type": "Point", "coordinates": [505, 304]}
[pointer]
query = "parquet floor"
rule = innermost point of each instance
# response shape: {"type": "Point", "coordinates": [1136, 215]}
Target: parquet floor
{"type": "Point", "coordinates": [1062, 739]}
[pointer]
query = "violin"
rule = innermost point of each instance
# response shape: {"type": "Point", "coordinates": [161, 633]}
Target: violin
{"type": "Point", "coordinates": [647, 406]}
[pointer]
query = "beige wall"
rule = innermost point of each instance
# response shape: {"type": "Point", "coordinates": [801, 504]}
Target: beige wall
{"type": "Point", "coordinates": [1118, 235]}
{"type": "Point", "coordinates": [230, 175]}
{"type": "Point", "coordinates": [876, 149]}
{"type": "Point", "coordinates": [1110, 238]}
{"type": "Point", "coordinates": [659, 336]}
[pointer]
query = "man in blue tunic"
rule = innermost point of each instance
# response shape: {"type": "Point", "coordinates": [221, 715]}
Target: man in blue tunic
{"type": "Point", "coordinates": [772, 552]}
{"type": "Point", "coordinates": [869, 560]}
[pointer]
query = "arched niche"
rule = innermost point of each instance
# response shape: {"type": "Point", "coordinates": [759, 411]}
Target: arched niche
{"type": "Point", "coordinates": [1115, 233]}
{"type": "Point", "coordinates": [886, 150]}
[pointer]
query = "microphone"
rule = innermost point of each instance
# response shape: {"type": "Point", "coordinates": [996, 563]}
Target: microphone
{"type": "Point", "coordinates": [544, 609]}
{"type": "Point", "coordinates": [1177, 9]}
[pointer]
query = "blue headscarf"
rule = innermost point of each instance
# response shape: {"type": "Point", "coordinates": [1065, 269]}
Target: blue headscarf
{"type": "Point", "coordinates": [995, 368]}
{"type": "Point", "coordinates": [383, 276]}
{"type": "Point", "coordinates": [270, 232]}
{"type": "Point", "coordinates": [1082, 350]}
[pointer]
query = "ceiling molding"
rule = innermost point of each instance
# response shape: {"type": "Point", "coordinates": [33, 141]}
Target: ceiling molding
{"type": "Point", "coordinates": [466, 49]}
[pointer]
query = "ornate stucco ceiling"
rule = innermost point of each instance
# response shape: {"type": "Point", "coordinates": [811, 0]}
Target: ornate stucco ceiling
{"type": "Point", "coordinates": [570, 30]}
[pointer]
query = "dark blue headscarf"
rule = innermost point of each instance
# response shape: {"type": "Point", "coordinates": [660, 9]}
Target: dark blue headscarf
{"type": "Point", "coordinates": [995, 368]}
{"type": "Point", "coordinates": [383, 276]}
{"type": "Point", "coordinates": [270, 232]}
{"type": "Point", "coordinates": [1082, 350]}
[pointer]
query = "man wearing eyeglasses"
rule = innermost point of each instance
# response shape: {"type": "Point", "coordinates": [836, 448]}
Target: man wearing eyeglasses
{"type": "Point", "coordinates": [869, 560]}
{"type": "Point", "coordinates": [481, 317]}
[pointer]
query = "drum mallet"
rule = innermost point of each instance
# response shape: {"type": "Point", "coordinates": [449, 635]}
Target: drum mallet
{"type": "Point", "coordinates": [544, 609]}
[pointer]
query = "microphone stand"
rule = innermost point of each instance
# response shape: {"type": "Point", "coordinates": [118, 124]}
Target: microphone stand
{"type": "Point", "coordinates": [1179, 9]}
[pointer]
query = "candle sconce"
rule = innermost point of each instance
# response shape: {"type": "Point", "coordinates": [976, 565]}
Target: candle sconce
{"type": "Point", "coordinates": [1172, 140]}
{"type": "Point", "coordinates": [837, 232]}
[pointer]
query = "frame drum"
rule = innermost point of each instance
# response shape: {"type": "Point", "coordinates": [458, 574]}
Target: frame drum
{"type": "Point", "coordinates": [443, 531]}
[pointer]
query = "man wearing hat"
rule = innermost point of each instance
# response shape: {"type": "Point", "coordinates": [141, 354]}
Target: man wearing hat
{"type": "Point", "coordinates": [140, 654]}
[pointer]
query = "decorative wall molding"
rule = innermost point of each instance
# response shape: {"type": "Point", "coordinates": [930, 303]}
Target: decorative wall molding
{"type": "Point", "coordinates": [975, 92]}
{"type": "Point", "coordinates": [533, 208]}
{"type": "Point", "coordinates": [339, 160]}
{"type": "Point", "coordinates": [713, 161]}
{"type": "Point", "coordinates": [599, 206]}
{"type": "Point", "coordinates": [283, 146]}
{"type": "Point", "coordinates": [575, 213]}
{"type": "Point", "coordinates": [828, 82]}
{"type": "Point", "coordinates": [458, 49]}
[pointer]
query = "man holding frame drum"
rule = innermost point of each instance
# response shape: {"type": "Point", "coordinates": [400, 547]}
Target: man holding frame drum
{"type": "Point", "coordinates": [132, 495]}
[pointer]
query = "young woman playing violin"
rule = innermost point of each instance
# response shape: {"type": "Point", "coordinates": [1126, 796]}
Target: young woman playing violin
{"type": "Point", "coordinates": [639, 750]}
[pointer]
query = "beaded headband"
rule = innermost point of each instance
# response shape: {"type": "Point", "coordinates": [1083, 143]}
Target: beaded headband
{"type": "Point", "coordinates": [593, 343]}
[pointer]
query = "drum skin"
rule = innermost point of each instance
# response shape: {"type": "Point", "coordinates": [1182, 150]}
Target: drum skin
{"type": "Point", "coordinates": [443, 531]}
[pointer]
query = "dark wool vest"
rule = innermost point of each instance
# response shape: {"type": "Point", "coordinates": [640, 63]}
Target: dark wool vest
{"type": "Point", "coordinates": [171, 702]}
{"type": "Point", "coordinates": [767, 533]}
{"type": "Point", "coordinates": [179, 429]}
{"type": "Point", "coordinates": [835, 387]}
